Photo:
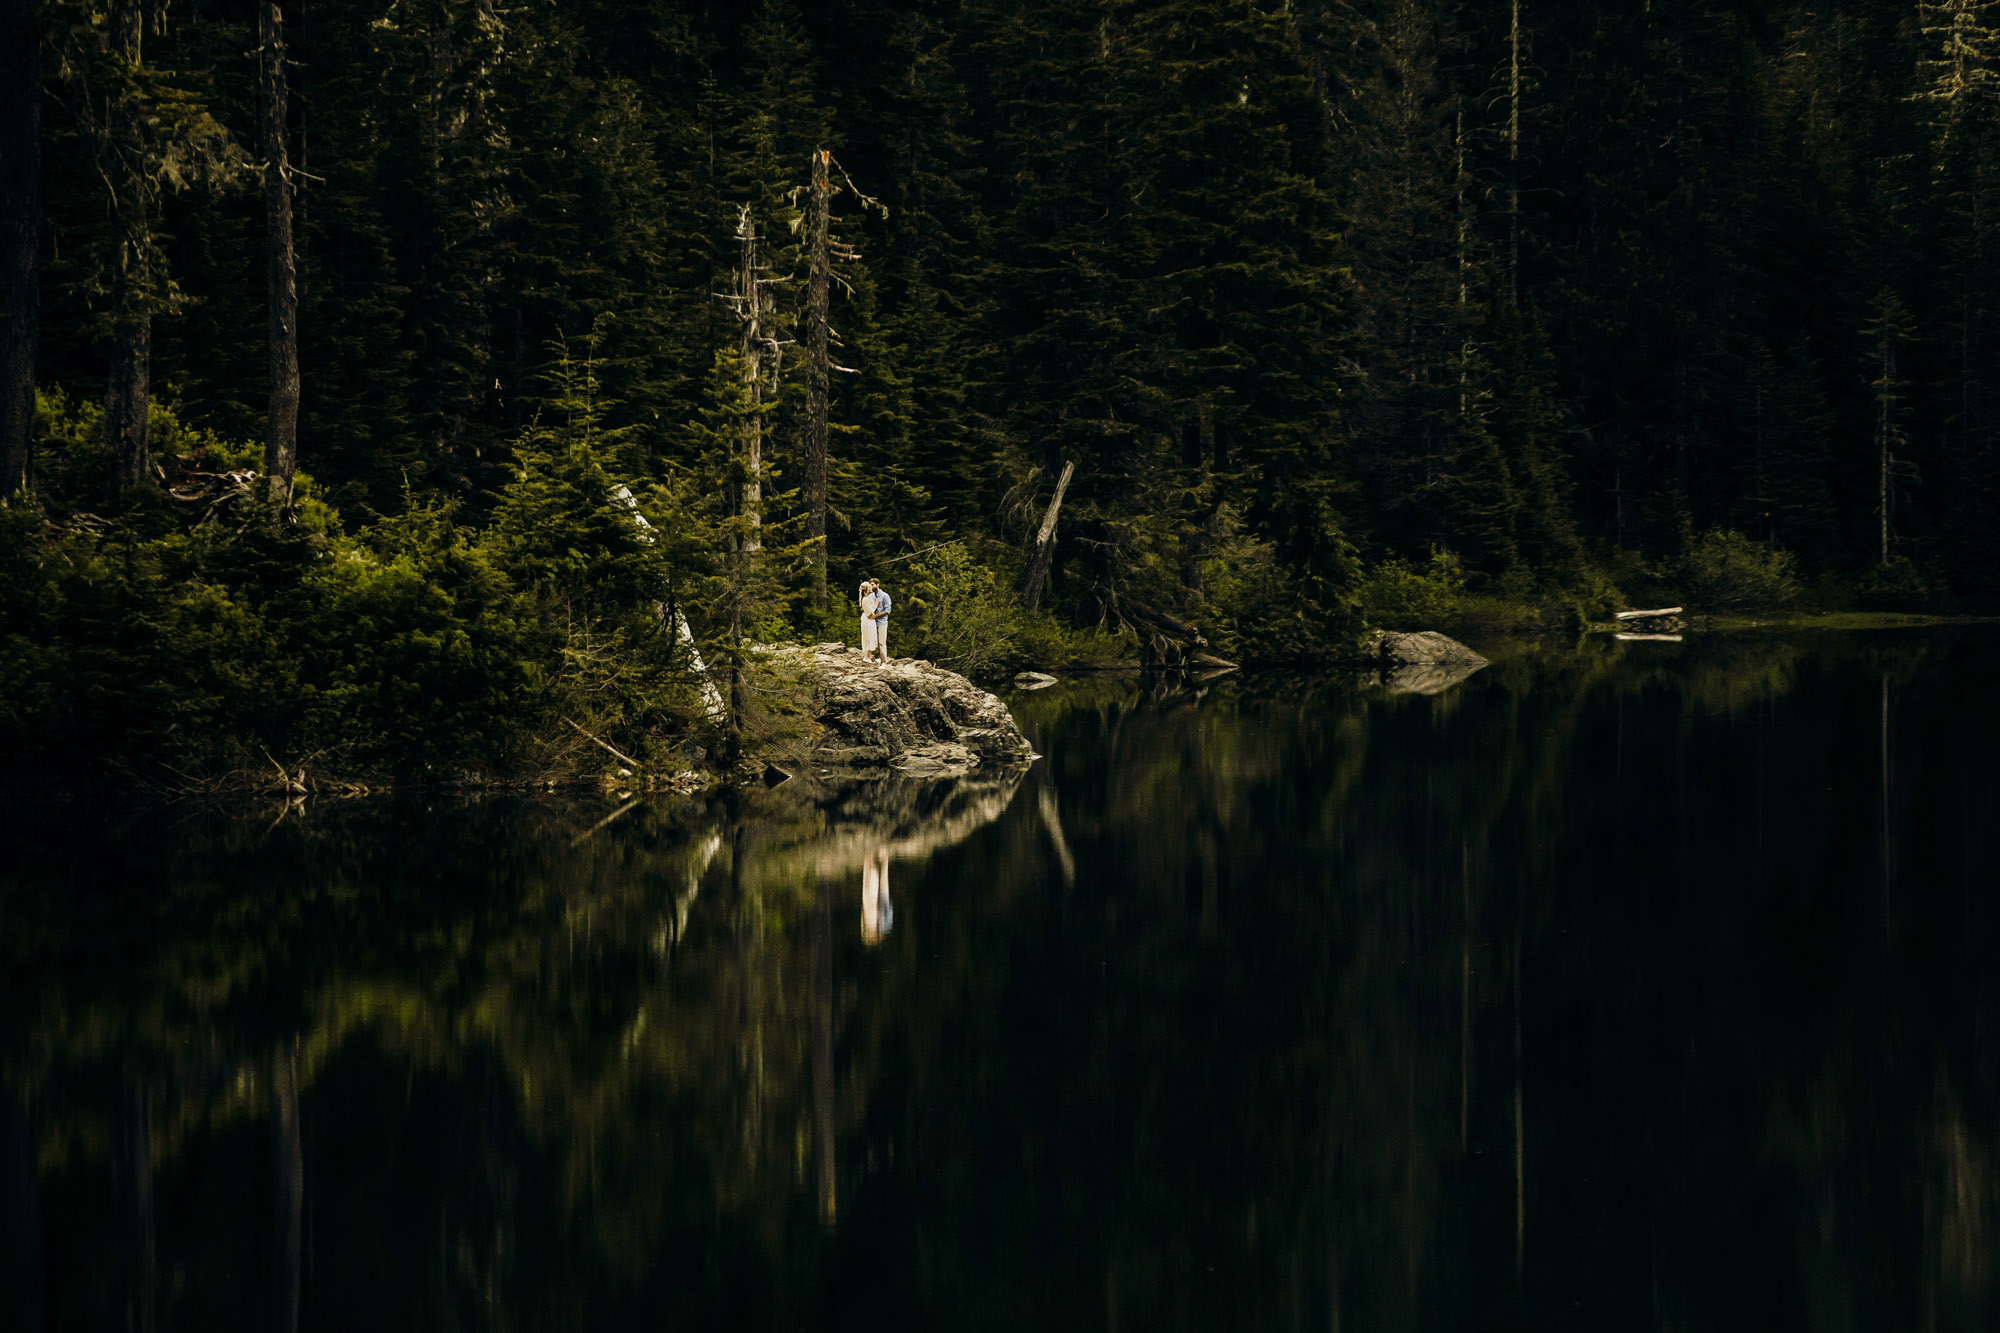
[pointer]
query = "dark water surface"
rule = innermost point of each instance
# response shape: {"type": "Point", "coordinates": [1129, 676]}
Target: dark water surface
{"type": "Point", "coordinates": [1637, 986]}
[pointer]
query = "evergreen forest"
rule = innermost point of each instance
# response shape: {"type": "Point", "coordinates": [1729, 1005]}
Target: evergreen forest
{"type": "Point", "coordinates": [415, 386]}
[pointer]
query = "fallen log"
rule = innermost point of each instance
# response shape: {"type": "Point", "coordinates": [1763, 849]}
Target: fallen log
{"type": "Point", "coordinates": [607, 746]}
{"type": "Point", "coordinates": [1663, 620]}
{"type": "Point", "coordinates": [710, 695]}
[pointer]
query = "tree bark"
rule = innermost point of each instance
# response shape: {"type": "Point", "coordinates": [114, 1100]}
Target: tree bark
{"type": "Point", "coordinates": [281, 440]}
{"type": "Point", "coordinates": [20, 234]}
{"type": "Point", "coordinates": [816, 372]}
{"type": "Point", "coordinates": [128, 384]}
{"type": "Point", "coordinates": [127, 397]}
{"type": "Point", "coordinates": [1045, 545]}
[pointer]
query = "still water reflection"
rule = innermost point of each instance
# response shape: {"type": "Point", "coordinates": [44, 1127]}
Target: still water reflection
{"type": "Point", "coordinates": [1637, 986]}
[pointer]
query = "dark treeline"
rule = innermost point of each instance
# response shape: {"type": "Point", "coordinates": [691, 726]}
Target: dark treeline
{"type": "Point", "coordinates": [1558, 299]}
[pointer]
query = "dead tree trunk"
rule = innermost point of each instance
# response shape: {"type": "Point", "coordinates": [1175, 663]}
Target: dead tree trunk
{"type": "Point", "coordinates": [128, 384]}
{"type": "Point", "coordinates": [710, 696]}
{"type": "Point", "coordinates": [1044, 547]}
{"type": "Point", "coordinates": [20, 229]}
{"type": "Point", "coordinates": [816, 371]}
{"type": "Point", "coordinates": [750, 498]}
{"type": "Point", "coordinates": [281, 439]}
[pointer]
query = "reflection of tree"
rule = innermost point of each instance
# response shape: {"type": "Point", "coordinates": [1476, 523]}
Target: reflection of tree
{"type": "Point", "coordinates": [1218, 1029]}
{"type": "Point", "coordinates": [619, 1027]}
{"type": "Point", "coordinates": [1571, 824]}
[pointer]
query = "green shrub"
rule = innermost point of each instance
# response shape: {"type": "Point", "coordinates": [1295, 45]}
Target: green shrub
{"type": "Point", "coordinates": [1893, 586]}
{"type": "Point", "coordinates": [1590, 598]}
{"type": "Point", "coordinates": [1398, 595]}
{"type": "Point", "coordinates": [1723, 570]}
{"type": "Point", "coordinates": [964, 619]}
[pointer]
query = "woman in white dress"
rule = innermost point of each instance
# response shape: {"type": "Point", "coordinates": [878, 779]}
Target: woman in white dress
{"type": "Point", "coordinates": [867, 622]}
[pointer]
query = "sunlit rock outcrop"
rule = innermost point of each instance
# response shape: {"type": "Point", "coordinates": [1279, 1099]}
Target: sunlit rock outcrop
{"type": "Point", "coordinates": [1421, 663]}
{"type": "Point", "coordinates": [905, 716]}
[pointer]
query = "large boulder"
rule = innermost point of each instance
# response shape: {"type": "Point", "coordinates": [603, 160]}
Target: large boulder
{"type": "Point", "coordinates": [903, 716]}
{"type": "Point", "coordinates": [1423, 663]}
{"type": "Point", "coordinates": [1422, 648]}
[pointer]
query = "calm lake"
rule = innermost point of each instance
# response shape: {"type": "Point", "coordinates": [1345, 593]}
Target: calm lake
{"type": "Point", "coordinates": [1626, 986]}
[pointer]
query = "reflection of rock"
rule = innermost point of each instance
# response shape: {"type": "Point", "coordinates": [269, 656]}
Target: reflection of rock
{"type": "Point", "coordinates": [907, 715]}
{"type": "Point", "coordinates": [897, 816]}
{"type": "Point", "coordinates": [940, 758]}
{"type": "Point", "coordinates": [1423, 663]}
{"type": "Point", "coordinates": [1033, 680]}
{"type": "Point", "coordinates": [1427, 677]}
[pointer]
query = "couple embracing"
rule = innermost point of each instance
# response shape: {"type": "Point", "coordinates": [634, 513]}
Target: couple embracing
{"type": "Point", "coordinates": [875, 604]}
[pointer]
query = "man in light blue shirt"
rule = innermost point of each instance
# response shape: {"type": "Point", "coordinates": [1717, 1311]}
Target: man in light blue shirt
{"type": "Point", "coordinates": [880, 615]}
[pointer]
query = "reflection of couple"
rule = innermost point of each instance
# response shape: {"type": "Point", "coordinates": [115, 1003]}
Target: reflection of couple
{"type": "Point", "coordinates": [877, 916]}
{"type": "Point", "coordinates": [875, 604]}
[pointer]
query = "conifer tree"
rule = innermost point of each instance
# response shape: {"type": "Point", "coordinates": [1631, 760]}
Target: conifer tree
{"type": "Point", "coordinates": [1409, 270]}
{"type": "Point", "coordinates": [281, 447]}
{"type": "Point", "coordinates": [1788, 500]}
{"type": "Point", "coordinates": [820, 203]}
{"type": "Point", "coordinates": [136, 280]}
{"type": "Point", "coordinates": [1958, 85]}
{"type": "Point", "coordinates": [20, 235]}
{"type": "Point", "coordinates": [1883, 335]}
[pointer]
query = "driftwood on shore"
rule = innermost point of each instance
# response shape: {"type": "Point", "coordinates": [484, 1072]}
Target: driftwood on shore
{"type": "Point", "coordinates": [1167, 640]}
{"type": "Point", "coordinates": [1659, 621]}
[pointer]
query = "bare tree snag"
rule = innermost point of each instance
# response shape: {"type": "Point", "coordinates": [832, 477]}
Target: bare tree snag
{"type": "Point", "coordinates": [20, 227]}
{"type": "Point", "coordinates": [1045, 544]}
{"type": "Point", "coordinates": [128, 382]}
{"type": "Point", "coordinates": [281, 439]}
{"type": "Point", "coordinates": [816, 369]}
